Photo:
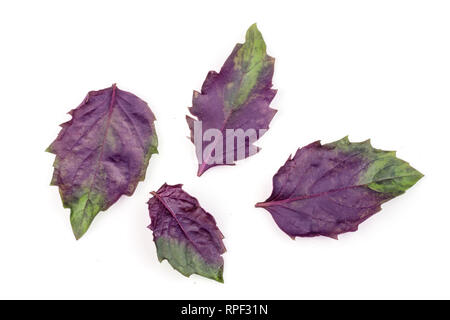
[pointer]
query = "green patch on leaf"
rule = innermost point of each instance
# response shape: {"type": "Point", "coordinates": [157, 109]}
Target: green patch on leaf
{"type": "Point", "coordinates": [186, 259]}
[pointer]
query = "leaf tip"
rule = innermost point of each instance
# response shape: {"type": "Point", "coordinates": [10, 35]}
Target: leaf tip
{"type": "Point", "coordinates": [253, 33]}
{"type": "Point", "coordinates": [78, 229]}
{"type": "Point", "coordinates": [201, 169]}
{"type": "Point", "coordinates": [77, 233]}
{"type": "Point", "coordinates": [253, 26]}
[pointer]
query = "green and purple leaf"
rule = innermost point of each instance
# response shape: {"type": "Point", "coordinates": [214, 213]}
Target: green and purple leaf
{"type": "Point", "coordinates": [102, 153]}
{"type": "Point", "coordinates": [330, 189]}
{"type": "Point", "coordinates": [236, 98]}
{"type": "Point", "coordinates": [185, 234]}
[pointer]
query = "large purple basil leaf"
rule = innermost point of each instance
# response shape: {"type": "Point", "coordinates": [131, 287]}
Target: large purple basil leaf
{"type": "Point", "coordinates": [232, 108]}
{"type": "Point", "coordinates": [330, 189]}
{"type": "Point", "coordinates": [185, 234]}
{"type": "Point", "coordinates": [102, 153]}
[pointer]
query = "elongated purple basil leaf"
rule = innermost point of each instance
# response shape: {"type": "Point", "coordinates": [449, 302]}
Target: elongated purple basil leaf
{"type": "Point", "coordinates": [185, 234]}
{"type": "Point", "coordinates": [102, 153]}
{"type": "Point", "coordinates": [233, 109]}
{"type": "Point", "coordinates": [330, 189]}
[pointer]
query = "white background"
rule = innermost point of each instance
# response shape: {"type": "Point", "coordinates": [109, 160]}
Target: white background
{"type": "Point", "coordinates": [367, 69]}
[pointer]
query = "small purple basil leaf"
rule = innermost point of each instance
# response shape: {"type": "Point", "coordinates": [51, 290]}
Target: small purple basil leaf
{"type": "Point", "coordinates": [330, 189]}
{"type": "Point", "coordinates": [185, 234]}
{"type": "Point", "coordinates": [235, 100]}
{"type": "Point", "coordinates": [102, 153]}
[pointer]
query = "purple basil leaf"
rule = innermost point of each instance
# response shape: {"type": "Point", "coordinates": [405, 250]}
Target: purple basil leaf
{"type": "Point", "coordinates": [102, 153]}
{"type": "Point", "coordinates": [330, 189]}
{"type": "Point", "coordinates": [233, 102]}
{"type": "Point", "coordinates": [185, 234]}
